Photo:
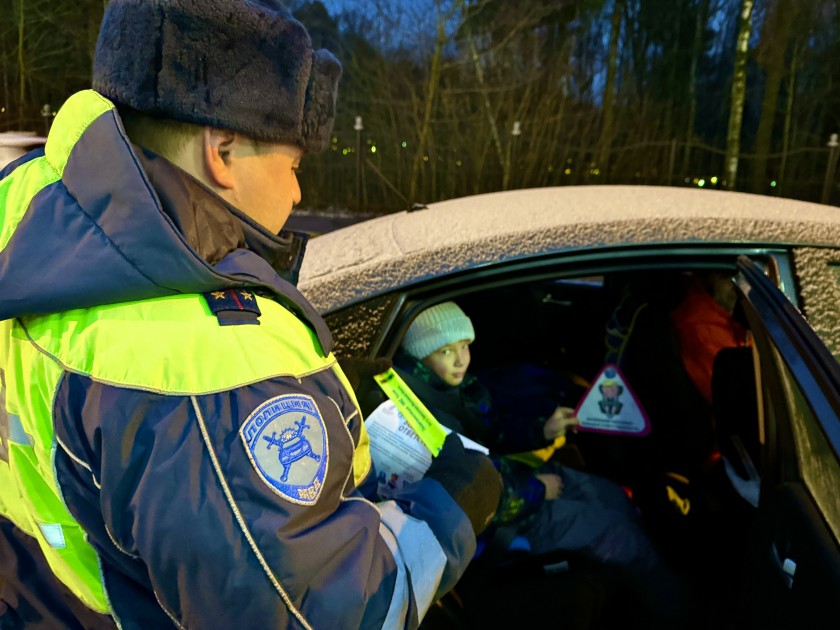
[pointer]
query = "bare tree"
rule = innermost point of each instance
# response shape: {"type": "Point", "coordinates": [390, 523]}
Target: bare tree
{"type": "Point", "coordinates": [441, 83]}
{"type": "Point", "coordinates": [739, 88]}
{"type": "Point", "coordinates": [772, 51]}
{"type": "Point", "coordinates": [701, 18]}
{"type": "Point", "coordinates": [609, 88]}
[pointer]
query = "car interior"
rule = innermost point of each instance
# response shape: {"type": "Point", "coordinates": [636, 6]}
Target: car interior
{"type": "Point", "coordinates": [737, 486]}
{"type": "Point", "coordinates": [570, 327]}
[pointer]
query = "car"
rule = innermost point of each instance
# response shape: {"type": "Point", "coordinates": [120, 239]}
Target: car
{"type": "Point", "coordinates": [315, 223]}
{"type": "Point", "coordinates": [543, 273]}
{"type": "Point", "coordinates": [15, 144]}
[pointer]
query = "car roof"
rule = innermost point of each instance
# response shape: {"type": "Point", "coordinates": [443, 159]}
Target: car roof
{"type": "Point", "coordinates": [400, 249]}
{"type": "Point", "coordinates": [14, 144]}
{"type": "Point", "coordinates": [22, 139]}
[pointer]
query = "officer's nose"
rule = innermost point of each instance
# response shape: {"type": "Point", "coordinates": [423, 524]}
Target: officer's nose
{"type": "Point", "coordinates": [296, 195]}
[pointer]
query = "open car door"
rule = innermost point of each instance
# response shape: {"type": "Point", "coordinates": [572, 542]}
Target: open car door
{"type": "Point", "coordinates": [792, 575]}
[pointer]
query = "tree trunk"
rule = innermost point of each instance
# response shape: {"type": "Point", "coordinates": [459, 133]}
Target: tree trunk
{"type": "Point", "coordinates": [609, 88]}
{"type": "Point", "coordinates": [739, 90]}
{"type": "Point", "coordinates": [431, 95]}
{"type": "Point", "coordinates": [791, 89]}
{"type": "Point", "coordinates": [6, 94]}
{"type": "Point", "coordinates": [491, 119]}
{"type": "Point", "coordinates": [696, 51]}
{"type": "Point", "coordinates": [672, 78]}
{"type": "Point", "coordinates": [21, 62]}
{"type": "Point", "coordinates": [774, 43]}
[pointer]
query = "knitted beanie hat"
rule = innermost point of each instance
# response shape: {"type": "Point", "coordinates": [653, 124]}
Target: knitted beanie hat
{"type": "Point", "coordinates": [436, 327]}
{"type": "Point", "coordinates": [241, 65]}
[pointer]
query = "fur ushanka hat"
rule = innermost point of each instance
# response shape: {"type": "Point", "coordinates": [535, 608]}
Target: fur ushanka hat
{"type": "Point", "coordinates": [242, 65]}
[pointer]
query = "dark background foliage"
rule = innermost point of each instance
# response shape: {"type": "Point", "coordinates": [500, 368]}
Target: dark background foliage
{"type": "Point", "coordinates": [458, 97]}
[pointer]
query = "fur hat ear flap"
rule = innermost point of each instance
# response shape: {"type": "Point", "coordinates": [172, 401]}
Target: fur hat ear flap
{"type": "Point", "coordinates": [319, 108]}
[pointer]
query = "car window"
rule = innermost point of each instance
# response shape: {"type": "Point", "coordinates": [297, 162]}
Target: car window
{"type": "Point", "coordinates": [801, 394]}
{"type": "Point", "coordinates": [357, 328]}
{"type": "Point", "coordinates": [818, 465]}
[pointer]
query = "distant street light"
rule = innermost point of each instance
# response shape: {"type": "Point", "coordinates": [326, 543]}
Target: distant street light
{"type": "Point", "coordinates": [515, 132]}
{"type": "Point", "coordinates": [46, 113]}
{"type": "Point", "coordinates": [831, 168]}
{"type": "Point", "coordinates": [358, 126]}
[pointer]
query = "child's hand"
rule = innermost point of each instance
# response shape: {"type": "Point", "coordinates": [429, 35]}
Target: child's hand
{"type": "Point", "coordinates": [560, 420]}
{"type": "Point", "coordinates": [553, 485]}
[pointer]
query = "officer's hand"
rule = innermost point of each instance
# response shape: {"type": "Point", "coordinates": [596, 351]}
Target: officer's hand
{"type": "Point", "coordinates": [470, 478]}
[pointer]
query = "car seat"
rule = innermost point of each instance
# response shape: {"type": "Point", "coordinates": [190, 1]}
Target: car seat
{"type": "Point", "coordinates": [735, 404]}
{"type": "Point", "coordinates": [707, 538]}
{"type": "Point", "coordinates": [642, 342]}
{"type": "Point", "coordinates": [665, 472]}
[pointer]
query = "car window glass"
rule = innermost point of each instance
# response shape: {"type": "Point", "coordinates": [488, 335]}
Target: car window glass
{"type": "Point", "coordinates": [818, 464]}
{"type": "Point", "coordinates": [355, 329]}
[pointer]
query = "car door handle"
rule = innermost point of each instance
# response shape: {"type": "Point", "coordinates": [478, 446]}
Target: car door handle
{"type": "Point", "coordinates": [787, 567]}
{"type": "Point", "coordinates": [550, 299]}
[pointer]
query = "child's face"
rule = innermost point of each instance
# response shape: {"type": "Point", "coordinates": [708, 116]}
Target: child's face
{"type": "Point", "coordinates": [450, 362]}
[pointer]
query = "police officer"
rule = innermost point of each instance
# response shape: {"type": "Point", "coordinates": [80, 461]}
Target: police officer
{"type": "Point", "coordinates": [178, 446]}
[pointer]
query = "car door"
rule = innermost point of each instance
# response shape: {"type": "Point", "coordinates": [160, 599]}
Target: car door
{"type": "Point", "coordinates": [792, 575]}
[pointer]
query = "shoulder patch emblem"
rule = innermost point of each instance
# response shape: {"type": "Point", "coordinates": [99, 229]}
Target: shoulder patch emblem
{"type": "Point", "coordinates": [286, 441]}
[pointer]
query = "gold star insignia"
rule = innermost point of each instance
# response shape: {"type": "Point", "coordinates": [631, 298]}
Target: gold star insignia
{"type": "Point", "coordinates": [219, 295]}
{"type": "Point", "coordinates": [245, 295]}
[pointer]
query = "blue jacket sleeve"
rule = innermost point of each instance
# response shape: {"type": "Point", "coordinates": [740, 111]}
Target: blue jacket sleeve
{"type": "Point", "coordinates": [239, 509]}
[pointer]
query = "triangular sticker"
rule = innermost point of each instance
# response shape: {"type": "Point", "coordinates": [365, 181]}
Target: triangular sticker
{"type": "Point", "coordinates": [610, 406]}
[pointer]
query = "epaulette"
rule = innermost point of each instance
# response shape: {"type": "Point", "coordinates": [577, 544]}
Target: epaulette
{"type": "Point", "coordinates": [233, 307]}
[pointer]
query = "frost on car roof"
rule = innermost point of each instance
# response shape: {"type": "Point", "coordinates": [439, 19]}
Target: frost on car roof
{"type": "Point", "coordinates": [371, 257]}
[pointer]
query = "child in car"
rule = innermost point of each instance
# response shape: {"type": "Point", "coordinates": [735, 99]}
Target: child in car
{"type": "Point", "coordinates": [552, 506]}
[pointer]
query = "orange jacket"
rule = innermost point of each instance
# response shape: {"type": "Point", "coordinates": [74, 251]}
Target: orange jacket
{"type": "Point", "coordinates": [703, 329]}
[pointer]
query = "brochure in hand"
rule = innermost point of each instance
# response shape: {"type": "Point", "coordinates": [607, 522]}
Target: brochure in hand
{"type": "Point", "coordinates": [399, 456]}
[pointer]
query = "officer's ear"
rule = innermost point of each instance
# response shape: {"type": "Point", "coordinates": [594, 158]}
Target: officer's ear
{"type": "Point", "coordinates": [218, 144]}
